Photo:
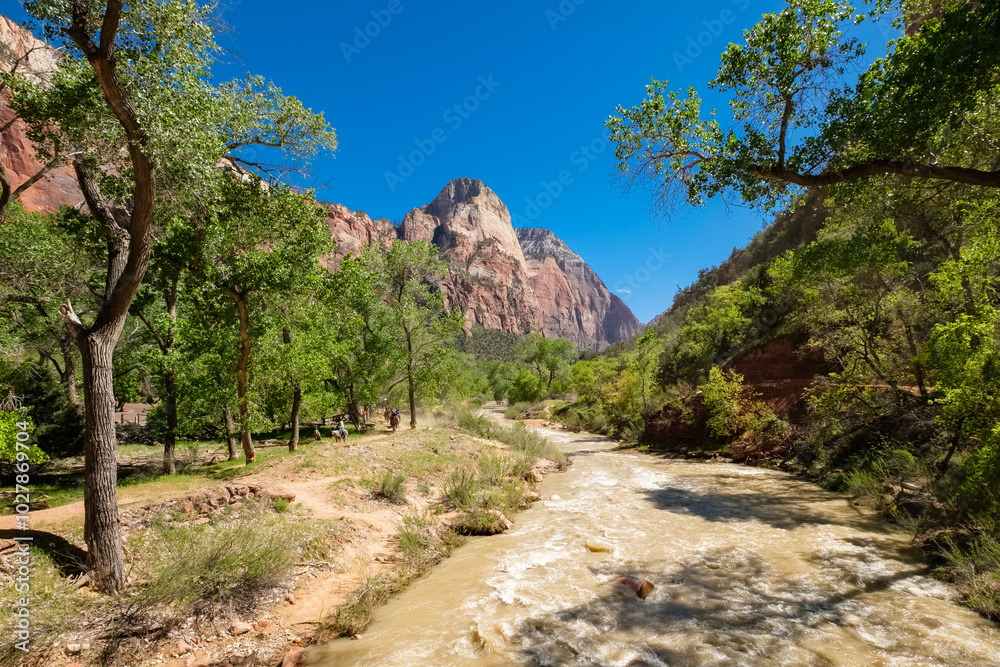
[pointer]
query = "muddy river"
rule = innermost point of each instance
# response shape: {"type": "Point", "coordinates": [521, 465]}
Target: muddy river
{"type": "Point", "coordinates": [751, 567]}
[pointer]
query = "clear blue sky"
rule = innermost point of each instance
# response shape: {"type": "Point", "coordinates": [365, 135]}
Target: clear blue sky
{"type": "Point", "coordinates": [553, 71]}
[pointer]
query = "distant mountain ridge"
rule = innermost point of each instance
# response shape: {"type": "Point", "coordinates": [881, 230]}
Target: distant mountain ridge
{"type": "Point", "coordinates": [520, 281]}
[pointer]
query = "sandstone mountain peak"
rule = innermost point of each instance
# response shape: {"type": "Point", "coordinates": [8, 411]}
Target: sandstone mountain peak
{"type": "Point", "coordinates": [500, 278]}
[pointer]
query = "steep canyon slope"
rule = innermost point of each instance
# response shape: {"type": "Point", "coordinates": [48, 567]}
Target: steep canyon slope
{"type": "Point", "coordinates": [516, 280]}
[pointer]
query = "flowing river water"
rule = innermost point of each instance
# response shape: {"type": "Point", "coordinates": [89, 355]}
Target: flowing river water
{"type": "Point", "coordinates": [751, 567]}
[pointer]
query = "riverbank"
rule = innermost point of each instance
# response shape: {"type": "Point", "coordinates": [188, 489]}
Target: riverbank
{"type": "Point", "coordinates": [234, 565]}
{"type": "Point", "coordinates": [750, 566]}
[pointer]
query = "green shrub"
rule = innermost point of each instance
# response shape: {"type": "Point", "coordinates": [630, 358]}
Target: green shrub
{"type": "Point", "coordinates": [494, 469]}
{"type": "Point", "coordinates": [280, 504]}
{"type": "Point", "coordinates": [976, 571]}
{"type": "Point", "coordinates": [526, 387]}
{"type": "Point", "coordinates": [389, 485]}
{"type": "Point", "coordinates": [461, 489]}
{"type": "Point", "coordinates": [226, 563]}
{"type": "Point", "coordinates": [416, 539]}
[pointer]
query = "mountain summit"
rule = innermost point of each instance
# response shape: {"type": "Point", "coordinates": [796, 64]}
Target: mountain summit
{"type": "Point", "coordinates": [501, 278]}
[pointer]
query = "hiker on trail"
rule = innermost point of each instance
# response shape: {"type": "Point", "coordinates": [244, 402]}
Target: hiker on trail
{"type": "Point", "coordinates": [387, 415]}
{"type": "Point", "coordinates": [394, 420]}
{"type": "Point", "coordinates": [342, 429]}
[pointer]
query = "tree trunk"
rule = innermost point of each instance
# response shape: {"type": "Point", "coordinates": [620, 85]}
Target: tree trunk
{"type": "Point", "coordinates": [293, 443]}
{"type": "Point", "coordinates": [101, 528]}
{"type": "Point", "coordinates": [242, 377]}
{"type": "Point", "coordinates": [170, 404]}
{"type": "Point", "coordinates": [409, 379]}
{"type": "Point", "coordinates": [353, 413]}
{"type": "Point", "coordinates": [227, 418]}
{"type": "Point", "coordinates": [69, 368]}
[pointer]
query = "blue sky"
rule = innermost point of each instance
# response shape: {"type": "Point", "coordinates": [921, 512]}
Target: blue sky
{"type": "Point", "coordinates": [533, 83]}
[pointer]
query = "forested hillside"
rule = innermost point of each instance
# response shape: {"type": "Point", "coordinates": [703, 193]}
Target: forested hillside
{"type": "Point", "coordinates": [856, 339]}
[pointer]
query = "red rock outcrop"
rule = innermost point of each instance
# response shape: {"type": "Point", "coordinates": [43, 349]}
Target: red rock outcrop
{"type": "Point", "coordinates": [33, 58]}
{"type": "Point", "coordinates": [488, 277]}
{"type": "Point", "coordinates": [516, 281]}
{"type": "Point", "coordinates": [354, 230]}
{"type": "Point", "coordinates": [573, 300]}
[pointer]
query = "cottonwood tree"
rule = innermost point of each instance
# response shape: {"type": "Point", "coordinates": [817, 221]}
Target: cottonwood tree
{"type": "Point", "coordinates": [132, 97]}
{"type": "Point", "coordinates": [422, 323]}
{"type": "Point", "coordinates": [256, 244]}
{"type": "Point", "coordinates": [363, 354]}
{"type": "Point", "coordinates": [796, 125]}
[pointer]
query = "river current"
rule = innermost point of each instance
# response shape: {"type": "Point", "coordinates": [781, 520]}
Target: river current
{"type": "Point", "coordinates": [751, 567]}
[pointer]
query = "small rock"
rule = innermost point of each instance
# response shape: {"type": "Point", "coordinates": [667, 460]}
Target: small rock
{"type": "Point", "coordinates": [554, 497]}
{"type": "Point", "coordinates": [504, 521]}
{"type": "Point", "coordinates": [597, 547]}
{"type": "Point", "coordinates": [190, 660]}
{"type": "Point", "coordinates": [73, 649]}
{"type": "Point", "coordinates": [640, 587]}
{"type": "Point", "coordinates": [295, 657]}
{"type": "Point", "coordinates": [909, 486]}
{"type": "Point", "coordinates": [202, 521]}
{"type": "Point", "coordinates": [263, 623]}
{"type": "Point", "coordinates": [290, 599]}
{"type": "Point", "coordinates": [355, 637]}
{"type": "Point", "coordinates": [237, 504]}
{"type": "Point", "coordinates": [74, 664]}
{"type": "Point", "coordinates": [205, 508]}
{"type": "Point", "coordinates": [183, 647]}
{"type": "Point", "coordinates": [532, 496]}
{"type": "Point", "coordinates": [240, 628]}
{"type": "Point", "coordinates": [187, 507]}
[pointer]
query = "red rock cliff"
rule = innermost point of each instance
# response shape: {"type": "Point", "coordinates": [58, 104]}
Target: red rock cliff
{"type": "Point", "coordinates": [32, 57]}
{"type": "Point", "coordinates": [517, 281]}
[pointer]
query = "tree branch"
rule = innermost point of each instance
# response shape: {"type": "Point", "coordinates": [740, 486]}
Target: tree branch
{"type": "Point", "coordinates": [989, 179]}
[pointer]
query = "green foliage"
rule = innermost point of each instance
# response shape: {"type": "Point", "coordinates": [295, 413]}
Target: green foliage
{"type": "Point", "coordinates": [12, 424]}
{"type": "Point", "coordinates": [796, 124]}
{"type": "Point", "coordinates": [974, 569]}
{"type": "Point", "coordinates": [735, 412]}
{"type": "Point", "coordinates": [723, 396]}
{"type": "Point", "coordinates": [527, 387]}
{"type": "Point", "coordinates": [58, 424]}
{"type": "Point", "coordinates": [225, 563]}
{"type": "Point", "coordinates": [389, 485]}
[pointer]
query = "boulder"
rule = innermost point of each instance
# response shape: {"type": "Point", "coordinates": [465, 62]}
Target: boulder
{"type": "Point", "coordinates": [240, 628]}
{"type": "Point", "coordinates": [640, 587]}
{"type": "Point", "coordinates": [295, 657]}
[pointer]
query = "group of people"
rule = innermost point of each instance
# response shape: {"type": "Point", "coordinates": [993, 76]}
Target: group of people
{"type": "Point", "coordinates": [392, 418]}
